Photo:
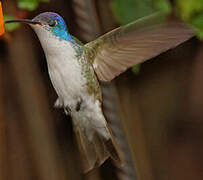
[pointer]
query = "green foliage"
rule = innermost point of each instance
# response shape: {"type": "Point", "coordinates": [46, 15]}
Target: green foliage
{"type": "Point", "coordinates": [11, 26]}
{"type": "Point", "coordinates": [197, 22]}
{"type": "Point", "coordinates": [191, 11]}
{"type": "Point", "coordinates": [29, 5]}
{"type": "Point", "coordinates": [188, 9]}
{"type": "Point", "coordinates": [127, 11]}
{"type": "Point", "coordinates": [163, 5]}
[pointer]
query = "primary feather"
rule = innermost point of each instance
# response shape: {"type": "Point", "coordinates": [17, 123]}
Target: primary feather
{"type": "Point", "coordinates": [134, 43]}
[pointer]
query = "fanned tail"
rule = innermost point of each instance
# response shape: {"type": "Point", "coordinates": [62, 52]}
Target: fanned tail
{"type": "Point", "coordinates": [97, 149]}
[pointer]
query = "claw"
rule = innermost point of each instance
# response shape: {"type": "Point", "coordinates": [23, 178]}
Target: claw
{"type": "Point", "coordinates": [67, 110]}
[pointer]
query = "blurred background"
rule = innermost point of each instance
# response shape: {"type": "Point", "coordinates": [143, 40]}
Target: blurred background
{"type": "Point", "coordinates": [154, 109]}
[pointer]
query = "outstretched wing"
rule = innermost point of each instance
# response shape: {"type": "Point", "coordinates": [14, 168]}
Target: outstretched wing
{"type": "Point", "coordinates": [114, 52]}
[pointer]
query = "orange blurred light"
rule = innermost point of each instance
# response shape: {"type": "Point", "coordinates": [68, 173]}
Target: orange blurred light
{"type": "Point", "coordinates": [2, 30]}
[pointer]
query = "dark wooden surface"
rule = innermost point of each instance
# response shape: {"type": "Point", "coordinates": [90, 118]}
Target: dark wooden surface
{"type": "Point", "coordinates": [152, 106]}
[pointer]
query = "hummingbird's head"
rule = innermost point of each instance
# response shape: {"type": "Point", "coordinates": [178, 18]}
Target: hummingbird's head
{"type": "Point", "coordinates": [47, 24]}
{"type": "Point", "coordinates": [53, 23]}
{"type": "Point", "coordinates": [51, 30]}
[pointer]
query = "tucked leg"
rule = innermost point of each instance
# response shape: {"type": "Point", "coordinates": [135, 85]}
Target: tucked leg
{"type": "Point", "coordinates": [78, 105]}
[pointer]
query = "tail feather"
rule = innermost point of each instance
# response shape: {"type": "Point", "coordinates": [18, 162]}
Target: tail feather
{"type": "Point", "coordinates": [94, 152]}
{"type": "Point", "coordinates": [99, 147]}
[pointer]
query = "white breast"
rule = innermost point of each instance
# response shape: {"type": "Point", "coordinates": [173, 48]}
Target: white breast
{"type": "Point", "coordinates": [64, 69]}
{"type": "Point", "coordinates": [65, 73]}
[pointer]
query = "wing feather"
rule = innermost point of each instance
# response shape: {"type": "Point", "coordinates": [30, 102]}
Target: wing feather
{"type": "Point", "coordinates": [126, 46]}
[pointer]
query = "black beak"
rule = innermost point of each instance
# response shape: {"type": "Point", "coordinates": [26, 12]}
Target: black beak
{"type": "Point", "coordinates": [26, 21]}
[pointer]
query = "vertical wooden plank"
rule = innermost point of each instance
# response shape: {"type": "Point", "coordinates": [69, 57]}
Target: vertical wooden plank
{"type": "Point", "coordinates": [3, 143]}
{"type": "Point", "coordinates": [151, 102]}
{"type": "Point", "coordinates": [133, 126]}
{"type": "Point", "coordinates": [185, 133]}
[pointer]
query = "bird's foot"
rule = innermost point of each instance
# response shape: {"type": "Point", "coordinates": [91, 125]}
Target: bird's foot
{"type": "Point", "coordinates": [67, 111]}
{"type": "Point", "coordinates": [58, 104]}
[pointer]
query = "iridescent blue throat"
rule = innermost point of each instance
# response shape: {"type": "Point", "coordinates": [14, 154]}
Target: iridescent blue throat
{"type": "Point", "coordinates": [60, 30]}
{"type": "Point", "coordinates": [61, 34]}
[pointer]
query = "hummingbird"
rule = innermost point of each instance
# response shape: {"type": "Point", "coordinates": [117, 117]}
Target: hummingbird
{"type": "Point", "coordinates": [75, 70]}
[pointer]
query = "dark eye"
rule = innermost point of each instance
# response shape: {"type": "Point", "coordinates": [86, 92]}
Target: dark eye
{"type": "Point", "coordinates": [53, 23]}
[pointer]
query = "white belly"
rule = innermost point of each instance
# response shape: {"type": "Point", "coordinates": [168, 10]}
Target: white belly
{"type": "Point", "coordinates": [68, 82]}
{"type": "Point", "coordinates": [70, 85]}
{"type": "Point", "coordinates": [66, 76]}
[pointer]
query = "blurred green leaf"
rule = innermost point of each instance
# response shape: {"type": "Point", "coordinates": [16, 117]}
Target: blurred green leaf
{"type": "Point", "coordinates": [191, 11]}
{"type": "Point", "coordinates": [197, 22]}
{"type": "Point", "coordinates": [188, 9]}
{"type": "Point", "coordinates": [29, 5]}
{"type": "Point", "coordinates": [127, 11]}
{"type": "Point", "coordinates": [163, 5]}
{"type": "Point", "coordinates": [11, 26]}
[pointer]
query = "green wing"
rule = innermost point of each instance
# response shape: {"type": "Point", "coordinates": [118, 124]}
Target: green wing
{"type": "Point", "coordinates": [114, 52]}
